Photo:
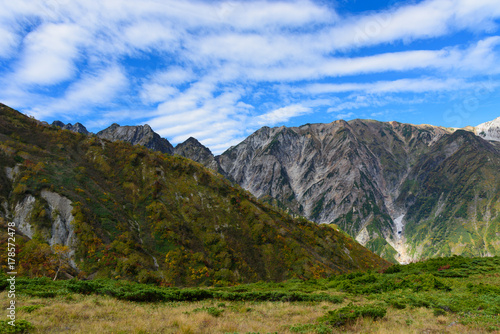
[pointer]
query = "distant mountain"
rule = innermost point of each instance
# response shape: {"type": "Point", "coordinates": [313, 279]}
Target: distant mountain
{"type": "Point", "coordinates": [489, 130]}
{"type": "Point", "coordinates": [78, 127]}
{"type": "Point", "coordinates": [145, 136]}
{"type": "Point", "coordinates": [374, 180]}
{"type": "Point", "coordinates": [137, 135]}
{"type": "Point", "coordinates": [127, 211]}
{"type": "Point", "coordinates": [451, 199]}
{"type": "Point", "coordinates": [194, 150]}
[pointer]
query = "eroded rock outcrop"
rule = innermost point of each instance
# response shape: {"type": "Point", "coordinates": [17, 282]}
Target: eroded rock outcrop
{"type": "Point", "coordinates": [137, 135]}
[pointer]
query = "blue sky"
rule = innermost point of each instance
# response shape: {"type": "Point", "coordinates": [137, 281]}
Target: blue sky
{"type": "Point", "coordinates": [219, 70]}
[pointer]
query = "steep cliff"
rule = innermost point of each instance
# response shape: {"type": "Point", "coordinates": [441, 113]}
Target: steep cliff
{"type": "Point", "coordinates": [194, 150]}
{"type": "Point", "coordinates": [77, 127]}
{"type": "Point", "coordinates": [489, 130]}
{"type": "Point", "coordinates": [357, 175]}
{"type": "Point", "coordinates": [137, 135]}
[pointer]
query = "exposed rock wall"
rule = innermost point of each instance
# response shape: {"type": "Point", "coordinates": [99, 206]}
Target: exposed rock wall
{"type": "Point", "coordinates": [489, 130]}
{"type": "Point", "coordinates": [22, 216]}
{"type": "Point", "coordinates": [137, 135]}
{"type": "Point", "coordinates": [60, 210]}
{"type": "Point", "coordinates": [363, 175]}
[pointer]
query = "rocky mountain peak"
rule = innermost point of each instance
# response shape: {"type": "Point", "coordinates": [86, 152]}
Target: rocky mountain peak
{"type": "Point", "coordinates": [194, 150]}
{"type": "Point", "coordinates": [489, 130]}
{"type": "Point", "coordinates": [372, 179]}
{"type": "Point", "coordinates": [137, 135]}
{"type": "Point", "coordinates": [77, 127]}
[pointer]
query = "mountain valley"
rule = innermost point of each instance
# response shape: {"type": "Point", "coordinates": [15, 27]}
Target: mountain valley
{"type": "Point", "coordinates": [405, 191]}
{"type": "Point", "coordinates": [116, 210]}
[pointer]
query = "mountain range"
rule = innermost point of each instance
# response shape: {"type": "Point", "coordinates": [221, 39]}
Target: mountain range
{"type": "Point", "coordinates": [116, 210]}
{"type": "Point", "coordinates": [405, 191]}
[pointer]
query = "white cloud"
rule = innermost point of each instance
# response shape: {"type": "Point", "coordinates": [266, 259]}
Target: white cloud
{"type": "Point", "coordinates": [160, 87]}
{"type": "Point", "coordinates": [420, 85]}
{"type": "Point", "coordinates": [427, 19]}
{"type": "Point", "coordinates": [345, 116]}
{"type": "Point", "coordinates": [477, 15]}
{"type": "Point", "coordinates": [10, 41]}
{"type": "Point", "coordinates": [216, 118]}
{"type": "Point", "coordinates": [265, 14]}
{"type": "Point", "coordinates": [98, 89]}
{"type": "Point", "coordinates": [153, 93]}
{"type": "Point", "coordinates": [174, 76]}
{"type": "Point", "coordinates": [143, 35]}
{"type": "Point", "coordinates": [357, 104]}
{"type": "Point", "coordinates": [282, 115]}
{"type": "Point", "coordinates": [50, 54]}
{"type": "Point", "coordinates": [203, 61]}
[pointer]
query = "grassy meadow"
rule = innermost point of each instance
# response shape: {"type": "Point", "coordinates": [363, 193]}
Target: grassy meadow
{"type": "Point", "coordinates": [447, 295]}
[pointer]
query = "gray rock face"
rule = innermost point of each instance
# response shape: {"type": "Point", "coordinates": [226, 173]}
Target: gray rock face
{"type": "Point", "coordinates": [194, 150]}
{"type": "Point", "coordinates": [77, 127]}
{"type": "Point", "coordinates": [59, 209]}
{"type": "Point", "coordinates": [62, 231]}
{"type": "Point", "coordinates": [137, 135]}
{"type": "Point", "coordinates": [489, 130]}
{"type": "Point", "coordinates": [11, 172]}
{"type": "Point", "coordinates": [348, 173]}
{"type": "Point", "coordinates": [22, 216]}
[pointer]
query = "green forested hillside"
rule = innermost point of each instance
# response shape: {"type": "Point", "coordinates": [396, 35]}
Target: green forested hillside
{"type": "Point", "coordinates": [152, 217]}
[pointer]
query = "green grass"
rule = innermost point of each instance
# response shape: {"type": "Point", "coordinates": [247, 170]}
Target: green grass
{"type": "Point", "coordinates": [464, 289]}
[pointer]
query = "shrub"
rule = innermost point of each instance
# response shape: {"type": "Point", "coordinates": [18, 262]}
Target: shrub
{"type": "Point", "coordinates": [213, 311]}
{"type": "Point", "coordinates": [424, 282]}
{"type": "Point", "coordinates": [350, 313]}
{"type": "Point", "coordinates": [3, 283]}
{"type": "Point", "coordinates": [30, 308]}
{"type": "Point", "coordinates": [396, 303]}
{"type": "Point", "coordinates": [276, 296]}
{"type": "Point", "coordinates": [84, 287]}
{"type": "Point", "coordinates": [21, 327]}
{"type": "Point", "coordinates": [439, 311]}
{"type": "Point", "coordinates": [41, 294]}
{"type": "Point", "coordinates": [145, 295]}
{"type": "Point", "coordinates": [393, 269]}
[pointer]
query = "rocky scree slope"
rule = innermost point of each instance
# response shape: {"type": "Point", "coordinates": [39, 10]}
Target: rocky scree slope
{"type": "Point", "coordinates": [126, 211]}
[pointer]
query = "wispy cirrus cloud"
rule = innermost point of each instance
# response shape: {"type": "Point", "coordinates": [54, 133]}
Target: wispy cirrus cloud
{"type": "Point", "coordinates": [282, 115]}
{"type": "Point", "coordinates": [50, 54]}
{"type": "Point", "coordinates": [419, 85]}
{"type": "Point", "coordinates": [92, 90]}
{"type": "Point", "coordinates": [217, 70]}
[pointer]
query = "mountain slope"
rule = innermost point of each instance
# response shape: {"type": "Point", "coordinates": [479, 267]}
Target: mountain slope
{"type": "Point", "coordinates": [194, 150]}
{"type": "Point", "coordinates": [145, 136]}
{"type": "Point", "coordinates": [489, 130]}
{"type": "Point", "coordinates": [451, 197]}
{"type": "Point", "coordinates": [126, 211]}
{"type": "Point", "coordinates": [77, 127]}
{"type": "Point", "coordinates": [359, 176]}
{"type": "Point", "coordinates": [137, 135]}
